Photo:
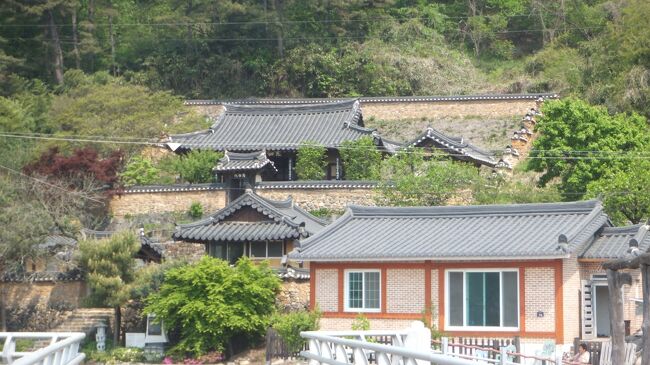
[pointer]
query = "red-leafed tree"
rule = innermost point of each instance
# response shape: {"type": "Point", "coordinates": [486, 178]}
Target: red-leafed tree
{"type": "Point", "coordinates": [83, 163]}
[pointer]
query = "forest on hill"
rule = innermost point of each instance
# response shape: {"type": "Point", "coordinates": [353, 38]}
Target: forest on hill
{"type": "Point", "coordinates": [596, 49]}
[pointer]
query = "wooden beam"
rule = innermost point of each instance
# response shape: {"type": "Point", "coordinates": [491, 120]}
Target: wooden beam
{"type": "Point", "coordinates": [630, 262]}
{"type": "Point", "coordinates": [645, 326]}
{"type": "Point", "coordinates": [616, 280]}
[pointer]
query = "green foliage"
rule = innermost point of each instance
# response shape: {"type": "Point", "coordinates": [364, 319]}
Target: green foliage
{"type": "Point", "coordinates": [311, 161]}
{"type": "Point", "coordinates": [209, 302]}
{"type": "Point", "coordinates": [325, 212]}
{"type": "Point", "coordinates": [360, 323]}
{"type": "Point", "coordinates": [503, 190]}
{"type": "Point", "coordinates": [410, 179]}
{"type": "Point", "coordinates": [579, 143]}
{"type": "Point", "coordinates": [127, 354]}
{"type": "Point", "coordinates": [289, 326]}
{"type": "Point", "coordinates": [625, 192]}
{"type": "Point", "coordinates": [109, 265]}
{"type": "Point", "coordinates": [196, 210]}
{"type": "Point", "coordinates": [196, 166]}
{"type": "Point", "coordinates": [361, 159]}
{"type": "Point", "coordinates": [139, 171]}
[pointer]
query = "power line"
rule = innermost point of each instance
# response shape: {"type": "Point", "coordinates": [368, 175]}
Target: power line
{"type": "Point", "coordinates": [49, 184]}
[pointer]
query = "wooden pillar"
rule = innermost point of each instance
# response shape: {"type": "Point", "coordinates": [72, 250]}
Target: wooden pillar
{"type": "Point", "coordinates": [645, 327]}
{"type": "Point", "coordinates": [616, 280]}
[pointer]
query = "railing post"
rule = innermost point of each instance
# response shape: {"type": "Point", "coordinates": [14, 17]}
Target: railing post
{"type": "Point", "coordinates": [558, 357]}
{"type": "Point", "coordinates": [418, 338]}
{"type": "Point", "coordinates": [504, 356]}
{"type": "Point", "coordinates": [444, 343]}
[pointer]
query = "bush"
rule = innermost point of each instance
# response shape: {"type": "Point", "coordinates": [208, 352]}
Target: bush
{"type": "Point", "coordinates": [360, 323]}
{"type": "Point", "coordinates": [361, 159]}
{"type": "Point", "coordinates": [127, 354]}
{"type": "Point", "coordinates": [196, 166]}
{"type": "Point", "coordinates": [311, 161]}
{"type": "Point", "coordinates": [208, 303]}
{"type": "Point", "coordinates": [196, 210]}
{"type": "Point", "coordinates": [140, 171]}
{"type": "Point", "coordinates": [291, 324]}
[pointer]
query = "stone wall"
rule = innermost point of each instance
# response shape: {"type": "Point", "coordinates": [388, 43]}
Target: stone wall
{"type": "Point", "coordinates": [294, 296]}
{"type": "Point", "coordinates": [313, 199]}
{"type": "Point", "coordinates": [190, 252]}
{"type": "Point", "coordinates": [161, 202]}
{"type": "Point", "coordinates": [67, 294]}
{"type": "Point", "coordinates": [447, 109]}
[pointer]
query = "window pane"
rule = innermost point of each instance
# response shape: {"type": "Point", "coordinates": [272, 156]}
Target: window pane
{"type": "Point", "coordinates": [275, 249]}
{"type": "Point", "coordinates": [492, 299]}
{"type": "Point", "coordinates": [456, 298]}
{"type": "Point", "coordinates": [371, 292]}
{"type": "Point", "coordinates": [355, 290]}
{"type": "Point", "coordinates": [258, 249]}
{"type": "Point", "coordinates": [509, 300]}
{"type": "Point", "coordinates": [217, 250]}
{"type": "Point", "coordinates": [235, 251]}
{"type": "Point", "coordinates": [475, 300]}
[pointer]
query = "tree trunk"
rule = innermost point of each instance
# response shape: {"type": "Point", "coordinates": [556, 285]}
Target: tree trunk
{"type": "Point", "coordinates": [3, 312]}
{"type": "Point", "coordinates": [279, 9]}
{"type": "Point", "coordinates": [118, 325]}
{"type": "Point", "coordinates": [112, 40]}
{"type": "Point", "coordinates": [615, 281]}
{"type": "Point", "coordinates": [57, 53]}
{"type": "Point", "coordinates": [645, 326]}
{"type": "Point", "coordinates": [75, 39]}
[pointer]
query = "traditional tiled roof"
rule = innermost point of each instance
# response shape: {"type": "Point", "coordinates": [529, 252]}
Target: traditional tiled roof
{"type": "Point", "coordinates": [70, 275]}
{"type": "Point", "coordinates": [457, 147]}
{"type": "Point", "coordinates": [317, 184]}
{"type": "Point", "coordinates": [278, 127]}
{"type": "Point", "coordinates": [145, 241]}
{"type": "Point", "coordinates": [284, 220]}
{"type": "Point", "coordinates": [488, 232]}
{"type": "Point", "coordinates": [293, 273]}
{"type": "Point", "coordinates": [243, 161]}
{"type": "Point", "coordinates": [378, 99]}
{"type": "Point", "coordinates": [172, 188]}
{"type": "Point", "coordinates": [614, 242]}
{"type": "Point", "coordinates": [57, 240]}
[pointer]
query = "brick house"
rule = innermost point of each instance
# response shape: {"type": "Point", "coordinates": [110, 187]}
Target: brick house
{"type": "Point", "coordinates": [528, 270]}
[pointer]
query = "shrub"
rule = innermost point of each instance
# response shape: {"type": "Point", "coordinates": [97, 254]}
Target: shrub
{"type": "Point", "coordinates": [140, 171]}
{"type": "Point", "coordinates": [361, 159]}
{"type": "Point", "coordinates": [208, 303]}
{"type": "Point", "coordinates": [196, 210]}
{"type": "Point", "coordinates": [127, 354]}
{"type": "Point", "coordinates": [311, 161]}
{"type": "Point", "coordinates": [360, 323]}
{"type": "Point", "coordinates": [196, 166]}
{"type": "Point", "coordinates": [291, 324]}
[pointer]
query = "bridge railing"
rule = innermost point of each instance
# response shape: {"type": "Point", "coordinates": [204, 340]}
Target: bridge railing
{"type": "Point", "coordinates": [59, 349]}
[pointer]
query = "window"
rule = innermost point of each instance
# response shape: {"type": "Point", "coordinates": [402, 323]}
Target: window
{"type": "Point", "coordinates": [362, 291]}
{"type": "Point", "coordinates": [266, 249]}
{"type": "Point", "coordinates": [483, 299]}
{"type": "Point", "coordinates": [275, 248]}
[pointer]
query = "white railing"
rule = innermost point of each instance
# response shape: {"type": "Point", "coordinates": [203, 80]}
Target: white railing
{"type": "Point", "coordinates": [60, 348]}
{"type": "Point", "coordinates": [410, 347]}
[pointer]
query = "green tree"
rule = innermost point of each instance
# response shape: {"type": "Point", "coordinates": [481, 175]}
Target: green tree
{"type": "Point", "coordinates": [625, 192]}
{"type": "Point", "coordinates": [196, 166]}
{"type": "Point", "coordinates": [209, 303]}
{"type": "Point", "coordinates": [289, 326]}
{"type": "Point", "coordinates": [578, 143]}
{"type": "Point", "coordinates": [139, 171]}
{"type": "Point", "coordinates": [109, 265]}
{"type": "Point", "coordinates": [311, 161]}
{"type": "Point", "coordinates": [361, 159]}
{"type": "Point", "coordinates": [411, 180]}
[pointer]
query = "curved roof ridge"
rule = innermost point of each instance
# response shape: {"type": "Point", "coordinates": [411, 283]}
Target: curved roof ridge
{"type": "Point", "coordinates": [621, 230]}
{"type": "Point", "coordinates": [530, 208]}
{"type": "Point", "coordinates": [289, 108]}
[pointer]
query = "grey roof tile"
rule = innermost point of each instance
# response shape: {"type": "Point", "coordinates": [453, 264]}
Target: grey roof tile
{"type": "Point", "coordinates": [456, 232]}
{"type": "Point", "coordinates": [284, 220]}
{"type": "Point", "coordinates": [278, 127]}
{"type": "Point", "coordinates": [455, 146]}
{"type": "Point", "coordinates": [614, 242]}
{"type": "Point", "coordinates": [242, 161]}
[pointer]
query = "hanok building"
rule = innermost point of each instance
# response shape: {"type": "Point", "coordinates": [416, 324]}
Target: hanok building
{"type": "Point", "coordinates": [528, 270]}
{"type": "Point", "coordinates": [252, 226]}
{"type": "Point", "coordinates": [261, 141]}
{"type": "Point", "coordinates": [434, 141]}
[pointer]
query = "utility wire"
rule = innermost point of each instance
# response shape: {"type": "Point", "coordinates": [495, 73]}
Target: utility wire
{"type": "Point", "coordinates": [49, 184]}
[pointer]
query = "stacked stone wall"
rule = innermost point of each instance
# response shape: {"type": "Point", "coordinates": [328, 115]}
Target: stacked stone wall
{"type": "Point", "coordinates": [447, 109]}
{"type": "Point", "coordinates": [190, 252]}
{"type": "Point", "coordinates": [162, 202]}
{"type": "Point", "coordinates": [313, 199]}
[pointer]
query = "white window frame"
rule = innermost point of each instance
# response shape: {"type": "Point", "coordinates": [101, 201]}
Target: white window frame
{"type": "Point", "coordinates": [346, 293]}
{"type": "Point", "coordinates": [449, 327]}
